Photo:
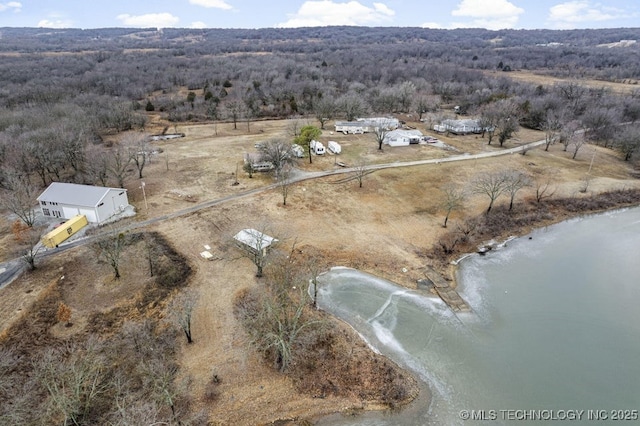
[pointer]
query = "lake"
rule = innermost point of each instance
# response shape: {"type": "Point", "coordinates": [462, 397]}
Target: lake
{"type": "Point", "coordinates": [554, 334]}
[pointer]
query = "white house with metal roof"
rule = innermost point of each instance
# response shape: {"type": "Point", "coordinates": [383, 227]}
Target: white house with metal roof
{"type": "Point", "coordinates": [401, 137]}
{"type": "Point", "coordinates": [97, 203]}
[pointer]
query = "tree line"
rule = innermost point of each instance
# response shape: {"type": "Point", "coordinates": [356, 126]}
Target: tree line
{"type": "Point", "coordinates": [57, 109]}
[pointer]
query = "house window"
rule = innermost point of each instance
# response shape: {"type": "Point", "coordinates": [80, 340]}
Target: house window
{"type": "Point", "coordinates": [46, 212]}
{"type": "Point", "coordinates": [44, 203]}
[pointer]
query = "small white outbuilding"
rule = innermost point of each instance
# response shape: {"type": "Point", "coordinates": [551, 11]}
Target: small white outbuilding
{"type": "Point", "coordinates": [254, 240]}
{"type": "Point", "coordinates": [97, 203]}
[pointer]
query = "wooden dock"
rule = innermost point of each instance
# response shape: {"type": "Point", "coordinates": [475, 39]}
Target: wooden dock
{"type": "Point", "coordinates": [448, 294]}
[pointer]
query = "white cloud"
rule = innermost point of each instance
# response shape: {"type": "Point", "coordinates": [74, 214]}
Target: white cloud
{"type": "Point", "coordinates": [157, 20]}
{"type": "Point", "coordinates": [490, 14]}
{"type": "Point", "coordinates": [12, 5]}
{"type": "Point", "coordinates": [328, 12]}
{"type": "Point", "coordinates": [55, 23]}
{"type": "Point", "coordinates": [432, 25]}
{"type": "Point", "coordinates": [572, 14]}
{"type": "Point", "coordinates": [217, 4]}
{"type": "Point", "coordinates": [198, 25]}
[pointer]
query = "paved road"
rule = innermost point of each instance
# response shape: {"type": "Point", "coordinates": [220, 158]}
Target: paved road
{"type": "Point", "coordinates": [10, 270]}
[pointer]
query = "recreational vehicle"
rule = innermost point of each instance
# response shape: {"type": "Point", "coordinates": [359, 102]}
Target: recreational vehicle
{"type": "Point", "coordinates": [317, 148]}
{"type": "Point", "coordinates": [334, 147]}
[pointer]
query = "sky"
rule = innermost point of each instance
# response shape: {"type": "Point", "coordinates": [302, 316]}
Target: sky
{"type": "Point", "coordinates": [448, 14]}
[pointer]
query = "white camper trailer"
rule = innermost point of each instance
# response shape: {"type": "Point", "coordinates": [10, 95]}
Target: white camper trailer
{"type": "Point", "coordinates": [317, 148]}
{"type": "Point", "coordinates": [334, 147]}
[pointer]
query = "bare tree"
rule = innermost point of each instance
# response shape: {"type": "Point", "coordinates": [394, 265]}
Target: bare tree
{"type": "Point", "coordinates": [279, 153]}
{"type": "Point", "coordinates": [352, 106]}
{"type": "Point", "coordinates": [160, 378]}
{"type": "Point", "coordinates": [275, 318]}
{"type": "Point", "coordinates": [552, 126]}
{"type": "Point", "coordinates": [600, 122]}
{"type": "Point", "coordinates": [109, 248]}
{"type": "Point", "coordinates": [119, 161]}
{"type": "Point", "coordinates": [255, 244]}
{"type": "Point", "coordinates": [360, 171]}
{"type": "Point", "coordinates": [152, 252]}
{"type": "Point", "coordinates": [313, 266]}
{"type": "Point", "coordinates": [97, 166]}
{"type": "Point", "coordinates": [74, 380]}
{"type": "Point", "coordinates": [324, 110]}
{"type": "Point", "coordinates": [574, 95]}
{"type": "Point", "coordinates": [138, 150]}
{"type": "Point", "coordinates": [578, 139]}
{"type": "Point", "coordinates": [454, 197]}
{"type": "Point", "coordinates": [19, 198]}
{"type": "Point", "coordinates": [488, 121]}
{"type": "Point", "coordinates": [251, 109]}
{"type": "Point", "coordinates": [234, 109]}
{"type": "Point", "coordinates": [500, 118]}
{"type": "Point", "coordinates": [627, 141]}
{"type": "Point", "coordinates": [74, 137]}
{"type": "Point", "coordinates": [405, 92]}
{"type": "Point", "coordinates": [544, 186]}
{"type": "Point", "coordinates": [381, 129]}
{"type": "Point", "coordinates": [515, 180]}
{"type": "Point", "coordinates": [182, 312]}
{"type": "Point", "coordinates": [30, 247]}
{"type": "Point", "coordinates": [491, 184]}
{"type": "Point", "coordinates": [284, 182]}
{"type": "Point", "coordinates": [425, 104]}
{"type": "Point", "coordinates": [507, 127]}
{"type": "Point", "coordinates": [293, 126]}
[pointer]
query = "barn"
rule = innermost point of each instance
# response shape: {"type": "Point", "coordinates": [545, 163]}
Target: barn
{"type": "Point", "coordinates": [97, 203]}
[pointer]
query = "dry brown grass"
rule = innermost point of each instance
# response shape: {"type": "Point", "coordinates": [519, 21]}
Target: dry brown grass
{"type": "Point", "coordinates": [382, 228]}
{"type": "Point", "coordinates": [540, 77]}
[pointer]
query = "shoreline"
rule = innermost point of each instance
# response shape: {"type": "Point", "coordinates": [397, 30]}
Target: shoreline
{"type": "Point", "coordinates": [451, 276]}
{"type": "Point", "coordinates": [449, 270]}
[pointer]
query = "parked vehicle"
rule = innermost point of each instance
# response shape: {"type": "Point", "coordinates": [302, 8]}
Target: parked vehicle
{"type": "Point", "coordinates": [297, 150]}
{"type": "Point", "coordinates": [334, 147]}
{"type": "Point", "coordinates": [317, 147]}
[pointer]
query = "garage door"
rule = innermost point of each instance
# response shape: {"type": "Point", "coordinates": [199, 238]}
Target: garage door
{"type": "Point", "coordinates": [70, 212]}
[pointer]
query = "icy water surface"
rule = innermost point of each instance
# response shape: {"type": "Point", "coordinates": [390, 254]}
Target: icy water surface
{"type": "Point", "coordinates": [554, 333]}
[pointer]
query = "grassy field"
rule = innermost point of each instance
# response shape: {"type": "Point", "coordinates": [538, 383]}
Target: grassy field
{"type": "Point", "coordinates": [382, 228]}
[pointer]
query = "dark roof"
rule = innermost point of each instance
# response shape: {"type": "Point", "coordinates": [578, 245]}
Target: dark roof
{"type": "Point", "coordinates": [75, 194]}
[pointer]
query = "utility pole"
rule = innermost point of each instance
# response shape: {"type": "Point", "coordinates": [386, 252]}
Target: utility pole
{"type": "Point", "coordinates": [144, 195]}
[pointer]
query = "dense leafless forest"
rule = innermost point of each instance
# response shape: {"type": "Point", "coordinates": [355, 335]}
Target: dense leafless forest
{"type": "Point", "coordinates": [71, 87]}
{"type": "Point", "coordinates": [63, 92]}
